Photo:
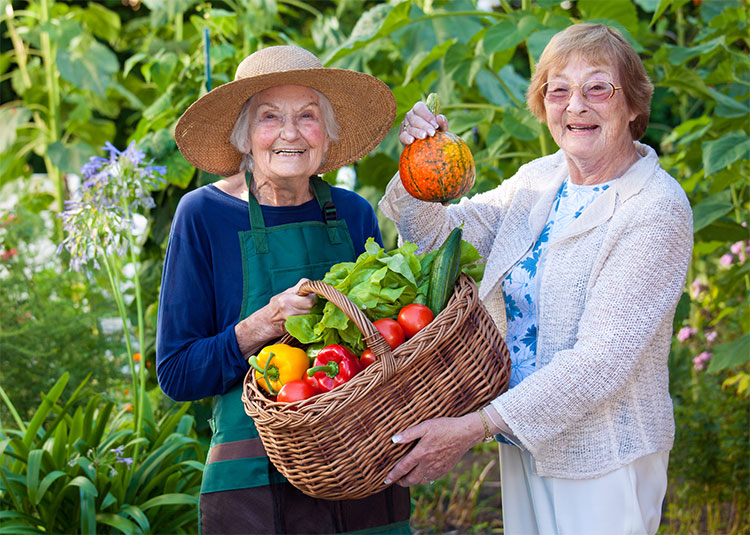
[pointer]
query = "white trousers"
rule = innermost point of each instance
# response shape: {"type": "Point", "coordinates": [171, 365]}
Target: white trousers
{"type": "Point", "coordinates": [624, 502]}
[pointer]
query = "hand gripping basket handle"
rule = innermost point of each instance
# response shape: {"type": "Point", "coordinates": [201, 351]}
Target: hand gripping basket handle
{"type": "Point", "coordinates": [370, 333]}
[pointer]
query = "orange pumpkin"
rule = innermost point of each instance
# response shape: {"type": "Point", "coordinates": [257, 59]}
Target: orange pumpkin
{"type": "Point", "coordinates": [438, 168]}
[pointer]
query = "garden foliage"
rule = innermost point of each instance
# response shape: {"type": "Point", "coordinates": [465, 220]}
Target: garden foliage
{"type": "Point", "coordinates": [76, 75]}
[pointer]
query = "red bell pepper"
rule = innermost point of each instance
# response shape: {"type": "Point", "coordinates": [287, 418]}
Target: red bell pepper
{"type": "Point", "coordinates": [333, 366]}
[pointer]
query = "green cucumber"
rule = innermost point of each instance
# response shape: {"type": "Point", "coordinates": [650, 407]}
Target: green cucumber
{"type": "Point", "coordinates": [444, 272]}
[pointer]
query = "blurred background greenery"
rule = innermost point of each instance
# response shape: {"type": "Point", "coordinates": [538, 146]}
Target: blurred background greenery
{"type": "Point", "coordinates": [74, 75]}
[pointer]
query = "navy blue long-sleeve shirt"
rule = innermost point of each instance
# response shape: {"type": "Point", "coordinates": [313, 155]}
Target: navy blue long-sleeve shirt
{"type": "Point", "coordinates": [197, 355]}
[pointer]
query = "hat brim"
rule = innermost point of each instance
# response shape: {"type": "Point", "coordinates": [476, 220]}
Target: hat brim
{"type": "Point", "coordinates": [364, 107]}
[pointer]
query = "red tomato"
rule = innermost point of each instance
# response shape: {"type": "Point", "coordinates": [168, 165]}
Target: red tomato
{"type": "Point", "coordinates": [366, 358]}
{"type": "Point", "coordinates": [296, 391]}
{"type": "Point", "coordinates": [391, 331]}
{"type": "Point", "coordinates": [414, 317]}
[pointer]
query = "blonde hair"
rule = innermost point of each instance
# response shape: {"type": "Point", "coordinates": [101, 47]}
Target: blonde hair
{"type": "Point", "coordinates": [599, 45]}
{"type": "Point", "coordinates": [240, 136]}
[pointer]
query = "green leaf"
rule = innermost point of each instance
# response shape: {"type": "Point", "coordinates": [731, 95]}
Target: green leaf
{"type": "Point", "coordinates": [12, 118]}
{"type": "Point", "coordinates": [509, 33]}
{"type": "Point", "coordinates": [33, 464]}
{"type": "Point", "coordinates": [521, 124]}
{"type": "Point", "coordinates": [170, 499]}
{"type": "Point", "coordinates": [724, 230]}
{"type": "Point", "coordinates": [85, 484]}
{"type": "Point", "coordinates": [727, 106]}
{"type": "Point", "coordinates": [725, 151]}
{"type": "Point", "coordinates": [117, 522]}
{"type": "Point", "coordinates": [710, 209]}
{"type": "Point", "coordinates": [380, 21]}
{"type": "Point", "coordinates": [102, 22]}
{"type": "Point", "coordinates": [70, 158]}
{"type": "Point", "coordinates": [731, 354]}
{"type": "Point", "coordinates": [47, 482]}
{"type": "Point", "coordinates": [138, 515]}
{"type": "Point", "coordinates": [88, 512]}
{"type": "Point", "coordinates": [87, 64]}
{"type": "Point", "coordinates": [621, 11]}
{"type": "Point", "coordinates": [41, 413]}
{"type": "Point", "coordinates": [424, 58]}
{"type": "Point", "coordinates": [661, 8]}
{"type": "Point", "coordinates": [681, 54]}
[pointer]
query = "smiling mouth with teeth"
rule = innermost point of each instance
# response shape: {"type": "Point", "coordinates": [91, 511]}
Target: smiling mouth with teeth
{"type": "Point", "coordinates": [289, 151]}
{"type": "Point", "coordinates": [574, 127]}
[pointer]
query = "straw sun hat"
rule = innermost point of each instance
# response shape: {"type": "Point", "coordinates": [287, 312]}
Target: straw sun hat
{"type": "Point", "coordinates": [364, 108]}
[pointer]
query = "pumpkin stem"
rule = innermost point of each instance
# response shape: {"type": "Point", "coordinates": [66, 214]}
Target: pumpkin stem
{"type": "Point", "coordinates": [433, 103]}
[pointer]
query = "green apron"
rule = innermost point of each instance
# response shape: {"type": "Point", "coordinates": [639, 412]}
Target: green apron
{"type": "Point", "coordinates": [273, 260]}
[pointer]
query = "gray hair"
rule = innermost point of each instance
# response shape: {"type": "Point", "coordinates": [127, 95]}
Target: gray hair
{"type": "Point", "coordinates": [240, 136]}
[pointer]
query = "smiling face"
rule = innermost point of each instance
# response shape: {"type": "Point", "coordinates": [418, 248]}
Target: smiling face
{"type": "Point", "coordinates": [287, 134]}
{"type": "Point", "coordinates": [596, 134]}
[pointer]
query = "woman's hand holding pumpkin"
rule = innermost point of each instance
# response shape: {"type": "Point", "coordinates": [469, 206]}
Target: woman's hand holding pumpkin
{"type": "Point", "coordinates": [419, 122]}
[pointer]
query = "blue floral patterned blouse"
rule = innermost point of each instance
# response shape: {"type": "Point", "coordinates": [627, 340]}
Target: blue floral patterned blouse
{"type": "Point", "coordinates": [520, 288]}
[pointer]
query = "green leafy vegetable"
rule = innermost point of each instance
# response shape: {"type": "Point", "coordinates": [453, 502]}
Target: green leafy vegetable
{"type": "Point", "coordinates": [380, 283]}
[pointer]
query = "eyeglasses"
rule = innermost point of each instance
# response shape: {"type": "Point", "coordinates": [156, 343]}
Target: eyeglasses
{"type": "Point", "coordinates": [595, 91]}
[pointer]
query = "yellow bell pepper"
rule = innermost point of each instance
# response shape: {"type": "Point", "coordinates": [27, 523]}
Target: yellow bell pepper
{"type": "Point", "coordinates": [278, 364]}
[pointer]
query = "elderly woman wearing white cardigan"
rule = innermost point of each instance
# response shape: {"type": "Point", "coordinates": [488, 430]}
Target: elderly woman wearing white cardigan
{"type": "Point", "coordinates": [588, 249]}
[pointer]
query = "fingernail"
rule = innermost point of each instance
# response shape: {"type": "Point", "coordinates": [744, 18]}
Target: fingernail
{"type": "Point", "coordinates": [434, 124]}
{"type": "Point", "coordinates": [396, 439]}
{"type": "Point", "coordinates": [431, 132]}
{"type": "Point", "coordinates": [387, 481]}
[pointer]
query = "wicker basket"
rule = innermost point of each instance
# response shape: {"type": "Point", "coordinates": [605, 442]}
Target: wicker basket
{"type": "Point", "coordinates": [338, 445]}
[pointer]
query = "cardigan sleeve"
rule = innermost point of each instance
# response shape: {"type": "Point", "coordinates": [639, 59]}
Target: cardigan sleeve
{"type": "Point", "coordinates": [628, 312]}
{"type": "Point", "coordinates": [428, 223]}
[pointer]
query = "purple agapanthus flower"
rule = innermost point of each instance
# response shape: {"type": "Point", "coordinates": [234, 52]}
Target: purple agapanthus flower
{"type": "Point", "coordinates": [126, 460]}
{"type": "Point", "coordinates": [98, 220]}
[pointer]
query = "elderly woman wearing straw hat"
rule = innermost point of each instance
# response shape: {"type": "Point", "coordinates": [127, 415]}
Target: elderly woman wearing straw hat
{"type": "Point", "coordinates": [238, 250]}
{"type": "Point", "coordinates": [588, 248]}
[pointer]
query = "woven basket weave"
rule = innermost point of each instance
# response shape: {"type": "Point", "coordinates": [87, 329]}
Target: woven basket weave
{"type": "Point", "coordinates": [338, 445]}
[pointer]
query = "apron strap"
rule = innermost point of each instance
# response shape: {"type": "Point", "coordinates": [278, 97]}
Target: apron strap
{"type": "Point", "coordinates": [322, 192]}
{"type": "Point", "coordinates": [257, 225]}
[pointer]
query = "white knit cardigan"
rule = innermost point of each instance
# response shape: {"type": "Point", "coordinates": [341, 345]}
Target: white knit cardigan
{"type": "Point", "coordinates": [599, 397]}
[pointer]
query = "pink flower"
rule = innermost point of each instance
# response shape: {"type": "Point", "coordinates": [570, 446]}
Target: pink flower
{"type": "Point", "coordinates": [711, 336]}
{"type": "Point", "coordinates": [736, 247]}
{"type": "Point", "coordinates": [7, 255]}
{"type": "Point", "coordinates": [685, 333]}
{"type": "Point", "coordinates": [699, 362]}
{"type": "Point", "coordinates": [697, 288]}
{"type": "Point", "coordinates": [726, 260]}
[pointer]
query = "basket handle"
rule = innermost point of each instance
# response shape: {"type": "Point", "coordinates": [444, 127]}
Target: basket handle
{"type": "Point", "coordinates": [372, 337]}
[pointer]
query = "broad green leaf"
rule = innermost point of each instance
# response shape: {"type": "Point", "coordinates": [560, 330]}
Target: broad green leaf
{"type": "Point", "coordinates": [179, 171]}
{"type": "Point", "coordinates": [11, 118]}
{"type": "Point", "coordinates": [621, 11]}
{"type": "Point", "coordinates": [724, 151]}
{"type": "Point", "coordinates": [509, 33]}
{"type": "Point", "coordinates": [682, 78]}
{"type": "Point", "coordinates": [710, 209]}
{"type": "Point", "coordinates": [521, 124]}
{"type": "Point", "coordinates": [87, 64]}
{"type": "Point", "coordinates": [729, 107]}
{"type": "Point", "coordinates": [468, 119]}
{"type": "Point", "coordinates": [731, 354]}
{"type": "Point", "coordinates": [538, 40]}
{"type": "Point", "coordinates": [101, 21]}
{"type": "Point", "coordinates": [424, 58]}
{"type": "Point", "coordinates": [377, 22]}
{"type": "Point", "coordinates": [70, 158]}
{"type": "Point", "coordinates": [170, 499]}
{"type": "Point", "coordinates": [681, 54]}
{"type": "Point", "coordinates": [723, 230]}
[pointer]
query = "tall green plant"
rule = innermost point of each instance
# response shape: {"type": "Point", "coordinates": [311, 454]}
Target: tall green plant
{"type": "Point", "coordinates": [67, 470]}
